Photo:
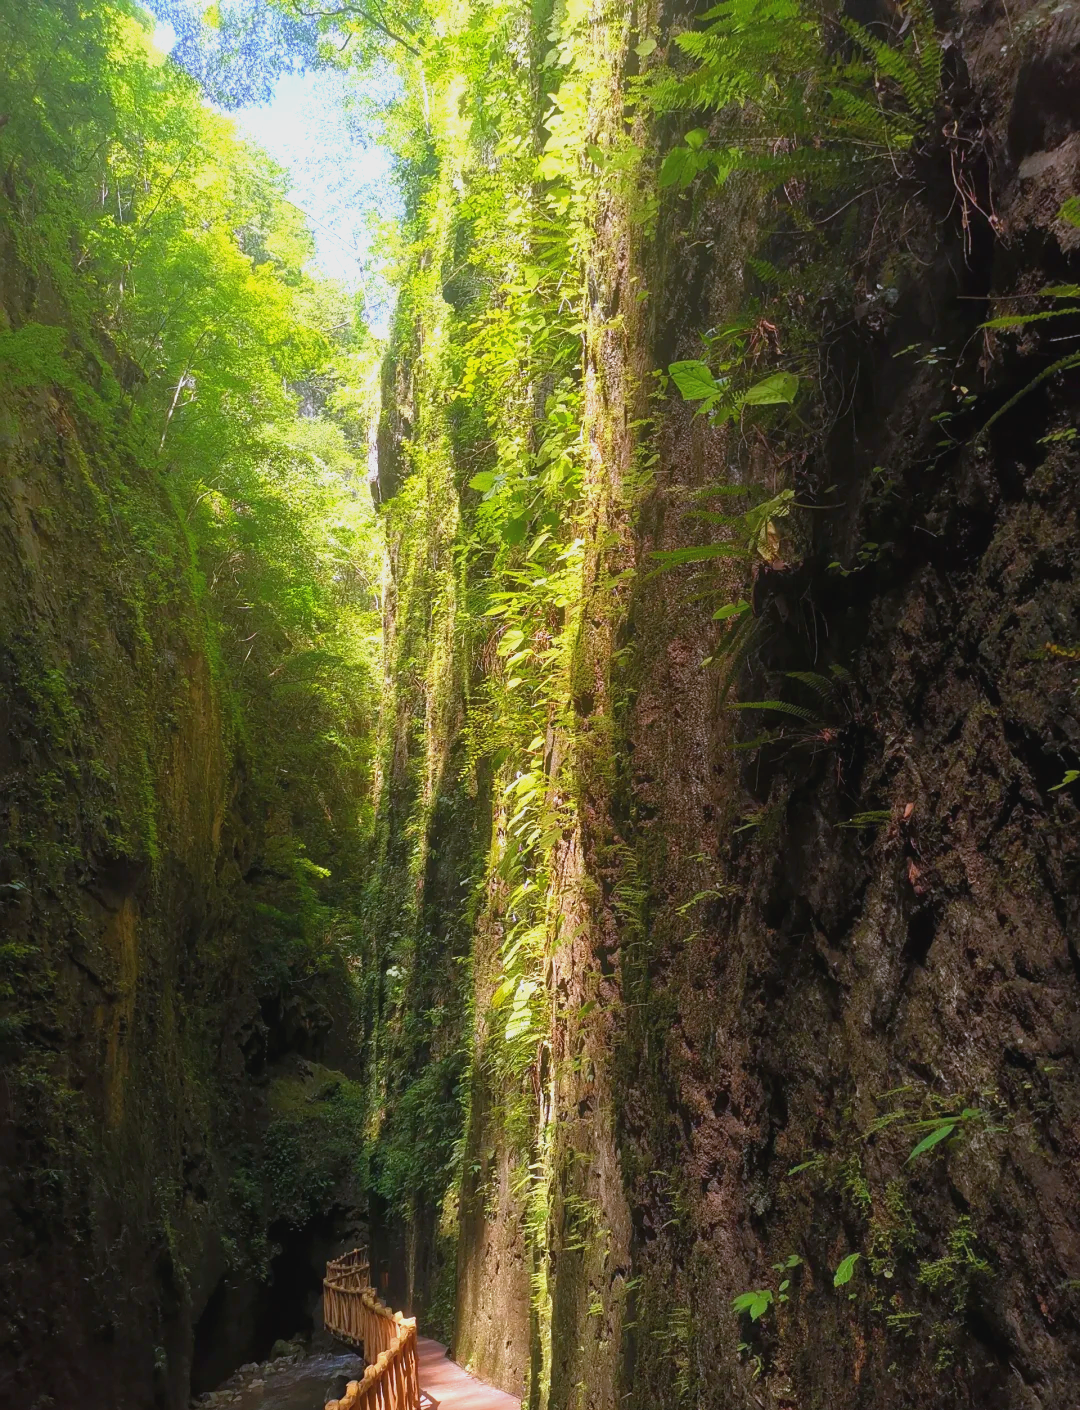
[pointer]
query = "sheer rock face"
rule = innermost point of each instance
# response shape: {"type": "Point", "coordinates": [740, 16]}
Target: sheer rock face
{"type": "Point", "coordinates": [116, 789]}
{"type": "Point", "coordinates": [923, 960]}
{"type": "Point", "coordinates": [136, 1050]}
{"type": "Point", "coordinates": [884, 933]}
{"type": "Point", "coordinates": [798, 961]}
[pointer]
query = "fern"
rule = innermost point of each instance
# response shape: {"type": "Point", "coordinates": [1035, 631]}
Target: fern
{"type": "Point", "coordinates": [768, 273]}
{"type": "Point", "coordinates": [1064, 364]}
{"type": "Point", "coordinates": [915, 66]}
{"type": "Point", "coordinates": [820, 685]}
{"type": "Point", "coordinates": [702, 553]}
{"type": "Point", "coordinates": [789, 108]}
{"type": "Point", "coordinates": [783, 707]}
{"type": "Point", "coordinates": [1020, 320]}
{"type": "Point", "coordinates": [857, 113]}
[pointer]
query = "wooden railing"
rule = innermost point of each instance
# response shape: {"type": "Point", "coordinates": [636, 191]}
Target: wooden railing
{"type": "Point", "coordinates": [353, 1312]}
{"type": "Point", "coordinates": [352, 1270]}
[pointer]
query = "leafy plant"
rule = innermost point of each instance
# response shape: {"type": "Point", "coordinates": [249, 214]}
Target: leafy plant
{"type": "Point", "coordinates": [755, 1303]}
{"type": "Point", "coordinates": [720, 401]}
{"type": "Point", "coordinates": [846, 1270]}
{"type": "Point", "coordinates": [1065, 298]}
{"type": "Point", "coordinates": [756, 536]}
{"type": "Point", "coordinates": [873, 817]}
{"type": "Point", "coordinates": [954, 1274]}
{"type": "Point", "coordinates": [788, 1265]}
{"type": "Point", "coordinates": [941, 1128]}
{"type": "Point", "coordinates": [801, 110]}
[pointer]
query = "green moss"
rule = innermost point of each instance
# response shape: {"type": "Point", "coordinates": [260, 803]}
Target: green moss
{"type": "Point", "coordinates": [852, 1183]}
{"type": "Point", "coordinates": [953, 1276]}
{"type": "Point", "coordinates": [312, 1153]}
{"type": "Point", "coordinates": [892, 1230]}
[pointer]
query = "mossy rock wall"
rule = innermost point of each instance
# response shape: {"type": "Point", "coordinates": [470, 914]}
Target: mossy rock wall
{"type": "Point", "coordinates": [117, 783]}
{"type": "Point", "coordinates": [801, 961]}
{"type": "Point", "coordinates": [868, 926]}
{"type": "Point", "coordinates": [138, 1030]}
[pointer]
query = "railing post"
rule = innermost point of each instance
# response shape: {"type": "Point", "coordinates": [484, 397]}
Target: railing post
{"type": "Point", "coordinates": [352, 1309]}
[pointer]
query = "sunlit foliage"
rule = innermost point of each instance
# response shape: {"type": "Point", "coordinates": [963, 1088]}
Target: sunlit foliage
{"type": "Point", "coordinates": [156, 270]}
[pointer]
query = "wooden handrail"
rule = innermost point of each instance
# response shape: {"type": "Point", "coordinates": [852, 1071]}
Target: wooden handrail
{"type": "Point", "coordinates": [353, 1312]}
{"type": "Point", "coordinates": [356, 1258]}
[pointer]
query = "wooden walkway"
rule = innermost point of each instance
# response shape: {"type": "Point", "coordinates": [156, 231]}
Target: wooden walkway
{"type": "Point", "coordinates": [454, 1389]}
{"type": "Point", "coordinates": [404, 1372]}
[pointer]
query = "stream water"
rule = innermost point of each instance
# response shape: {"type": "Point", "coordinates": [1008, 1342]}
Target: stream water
{"type": "Point", "coordinates": [287, 1383]}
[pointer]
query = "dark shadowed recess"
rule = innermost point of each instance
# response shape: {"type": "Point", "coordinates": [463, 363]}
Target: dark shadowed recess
{"type": "Point", "coordinates": [244, 1317]}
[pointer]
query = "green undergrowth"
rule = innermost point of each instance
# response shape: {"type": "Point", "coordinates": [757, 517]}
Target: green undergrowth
{"type": "Point", "coordinates": [507, 523]}
{"type": "Point", "coordinates": [213, 428]}
{"type": "Point", "coordinates": [189, 648]}
{"type": "Point", "coordinates": [491, 517]}
{"type": "Point", "coordinates": [312, 1150]}
{"type": "Point", "coordinates": [413, 723]}
{"type": "Point", "coordinates": [914, 1270]}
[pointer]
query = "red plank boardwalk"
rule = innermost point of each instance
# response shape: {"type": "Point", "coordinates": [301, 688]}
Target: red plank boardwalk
{"type": "Point", "coordinates": [404, 1371]}
{"type": "Point", "coordinates": [454, 1389]}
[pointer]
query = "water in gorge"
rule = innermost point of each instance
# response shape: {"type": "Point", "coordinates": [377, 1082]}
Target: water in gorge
{"type": "Point", "coordinates": [303, 1382]}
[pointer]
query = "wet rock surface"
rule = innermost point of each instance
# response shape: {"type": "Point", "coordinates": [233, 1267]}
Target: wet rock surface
{"type": "Point", "coordinates": [294, 1379]}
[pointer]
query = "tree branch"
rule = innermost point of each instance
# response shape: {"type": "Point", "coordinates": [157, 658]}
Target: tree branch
{"type": "Point", "coordinates": [360, 12]}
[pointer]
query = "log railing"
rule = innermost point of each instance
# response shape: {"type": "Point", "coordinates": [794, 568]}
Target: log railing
{"type": "Point", "coordinates": [353, 1312]}
{"type": "Point", "coordinates": [351, 1271]}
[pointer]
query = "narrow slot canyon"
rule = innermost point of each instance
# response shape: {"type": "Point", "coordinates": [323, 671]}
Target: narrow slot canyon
{"type": "Point", "coordinates": [539, 705]}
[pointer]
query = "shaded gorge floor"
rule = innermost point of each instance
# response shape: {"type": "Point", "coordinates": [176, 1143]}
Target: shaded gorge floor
{"type": "Point", "coordinates": [297, 1381]}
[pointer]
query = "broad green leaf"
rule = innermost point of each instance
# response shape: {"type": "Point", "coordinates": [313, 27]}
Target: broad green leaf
{"type": "Point", "coordinates": [519, 1023]}
{"type": "Point", "coordinates": [514, 530]}
{"type": "Point", "coordinates": [502, 993]}
{"type": "Point", "coordinates": [757, 1303]}
{"type": "Point", "coordinates": [550, 166]}
{"type": "Point", "coordinates": [733, 609]}
{"type": "Point", "coordinates": [510, 641]}
{"type": "Point", "coordinates": [846, 1269]}
{"type": "Point", "coordinates": [779, 389]}
{"type": "Point", "coordinates": [483, 481]}
{"type": "Point", "coordinates": [680, 166]}
{"type": "Point", "coordinates": [520, 1020]}
{"type": "Point", "coordinates": [645, 48]}
{"type": "Point", "coordinates": [694, 380]}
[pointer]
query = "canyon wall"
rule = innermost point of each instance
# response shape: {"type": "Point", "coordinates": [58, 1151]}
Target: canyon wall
{"type": "Point", "coordinates": [812, 905]}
